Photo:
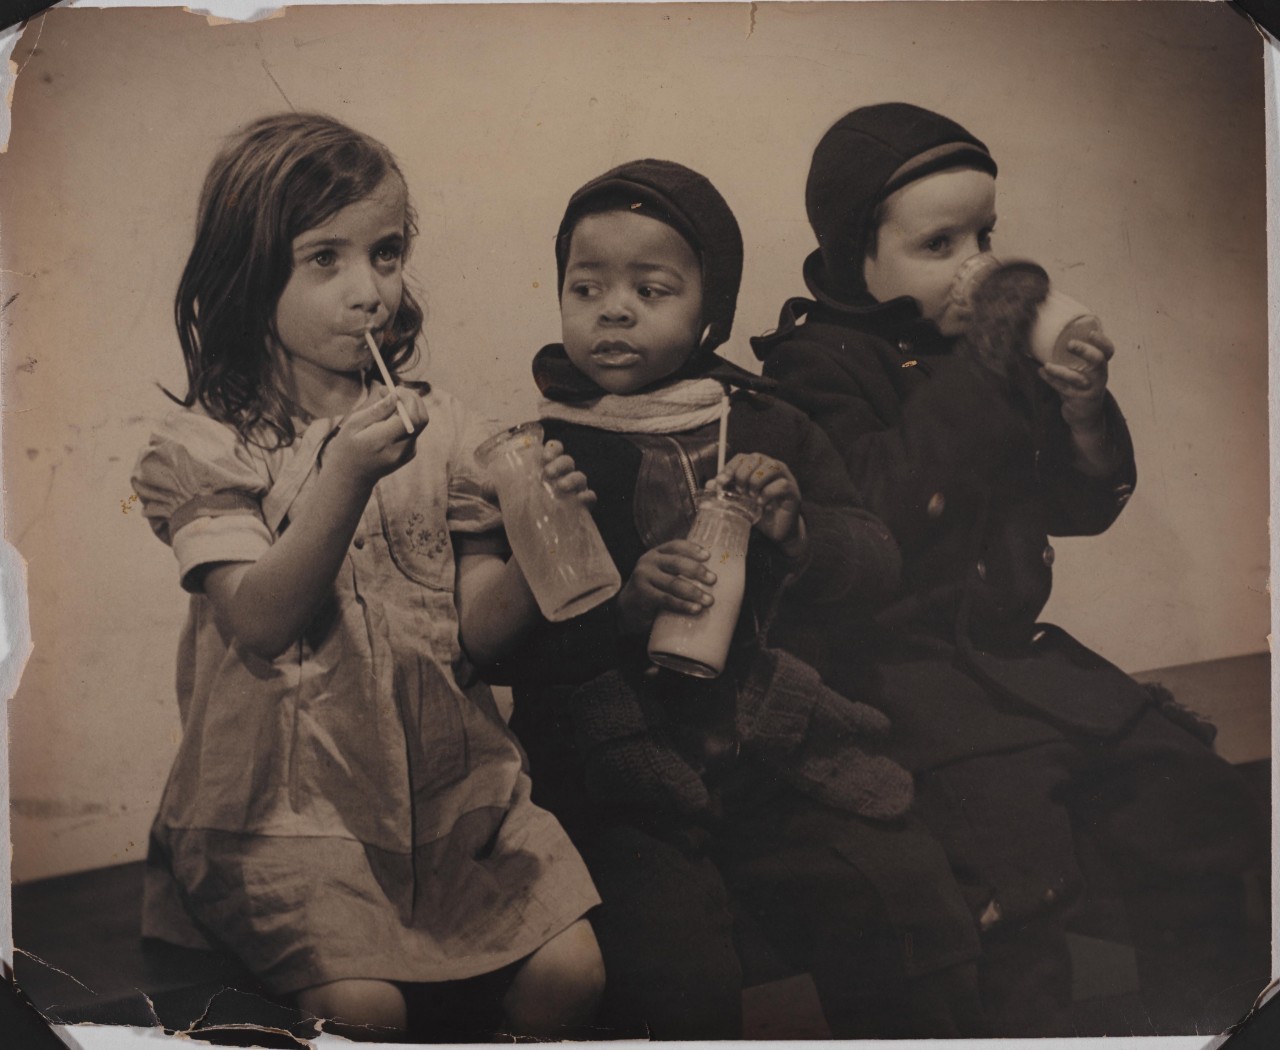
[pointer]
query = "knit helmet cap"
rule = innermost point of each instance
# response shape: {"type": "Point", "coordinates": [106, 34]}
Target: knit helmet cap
{"type": "Point", "coordinates": [863, 158]}
{"type": "Point", "coordinates": [685, 201]}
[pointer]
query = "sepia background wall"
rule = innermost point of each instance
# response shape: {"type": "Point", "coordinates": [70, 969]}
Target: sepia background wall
{"type": "Point", "coordinates": [1131, 151]}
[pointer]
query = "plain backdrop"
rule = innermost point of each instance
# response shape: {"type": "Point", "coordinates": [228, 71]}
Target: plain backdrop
{"type": "Point", "coordinates": [1130, 141]}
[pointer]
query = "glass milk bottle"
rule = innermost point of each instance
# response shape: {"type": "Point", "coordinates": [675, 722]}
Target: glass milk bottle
{"type": "Point", "coordinates": [552, 535]}
{"type": "Point", "coordinates": [1059, 319]}
{"type": "Point", "coordinates": [698, 644]}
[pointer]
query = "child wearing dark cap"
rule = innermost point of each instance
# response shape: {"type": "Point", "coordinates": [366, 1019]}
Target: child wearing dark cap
{"type": "Point", "coordinates": [758, 797]}
{"type": "Point", "coordinates": [1023, 742]}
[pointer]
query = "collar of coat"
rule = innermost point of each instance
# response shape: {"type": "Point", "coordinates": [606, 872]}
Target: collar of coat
{"type": "Point", "coordinates": [898, 321]}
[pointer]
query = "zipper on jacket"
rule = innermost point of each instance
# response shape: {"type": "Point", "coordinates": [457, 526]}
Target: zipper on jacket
{"type": "Point", "coordinates": [686, 464]}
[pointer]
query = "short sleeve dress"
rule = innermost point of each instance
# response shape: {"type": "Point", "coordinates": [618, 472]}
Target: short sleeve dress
{"type": "Point", "coordinates": [356, 807]}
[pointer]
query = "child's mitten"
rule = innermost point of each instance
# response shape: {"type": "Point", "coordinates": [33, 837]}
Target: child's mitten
{"type": "Point", "coordinates": [1003, 309]}
{"type": "Point", "coordinates": [815, 738]}
{"type": "Point", "coordinates": [646, 771]}
{"type": "Point", "coordinates": [629, 757]}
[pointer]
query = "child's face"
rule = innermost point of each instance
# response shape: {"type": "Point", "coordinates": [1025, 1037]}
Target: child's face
{"type": "Point", "coordinates": [347, 277]}
{"type": "Point", "coordinates": [631, 307]}
{"type": "Point", "coordinates": [930, 227]}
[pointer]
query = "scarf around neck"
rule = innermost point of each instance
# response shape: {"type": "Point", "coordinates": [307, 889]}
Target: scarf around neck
{"type": "Point", "coordinates": [689, 399]}
{"type": "Point", "coordinates": [686, 404]}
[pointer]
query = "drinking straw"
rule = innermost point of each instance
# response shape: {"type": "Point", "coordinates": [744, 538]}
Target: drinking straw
{"type": "Point", "coordinates": [386, 378]}
{"type": "Point", "coordinates": [724, 432]}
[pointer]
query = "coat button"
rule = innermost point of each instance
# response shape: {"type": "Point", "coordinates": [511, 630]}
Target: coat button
{"type": "Point", "coordinates": [1050, 895]}
{"type": "Point", "coordinates": [358, 543]}
{"type": "Point", "coordinates": [937, 504]}
{"type": "Point", "coordinates": [1049, 554]}
{"type": "Point", "coordinates": [904, 345]}
{"type": "Point", "coordinates": [982, 569]}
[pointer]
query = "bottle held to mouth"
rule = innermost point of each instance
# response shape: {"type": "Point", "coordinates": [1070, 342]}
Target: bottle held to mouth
{"type": "Point", "coordinates": [698, 644]}
{"type": "Point", "coordinates": [552, 534]}
{"type": "Point", "coordinates": [1059, 318]}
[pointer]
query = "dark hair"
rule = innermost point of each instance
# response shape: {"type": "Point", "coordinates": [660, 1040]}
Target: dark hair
{"type": "Point", "coordinates": [283, 175]}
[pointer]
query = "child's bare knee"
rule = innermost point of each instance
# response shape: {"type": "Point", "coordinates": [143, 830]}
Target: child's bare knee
{"type": "Point", "coordinates": [559, 986]}
{"type": "Point", "coordinates": [588, 971]}
{"type": "Point", "coordinates": [357, 1009]}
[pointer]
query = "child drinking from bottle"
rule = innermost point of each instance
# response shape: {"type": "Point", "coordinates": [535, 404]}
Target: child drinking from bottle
{"type": "Point", "coordinates": [347, 812]}
{"type": "Point", "coordinates": [756, 796]}
{"type": "Point", "coordinates": [1024, 743]}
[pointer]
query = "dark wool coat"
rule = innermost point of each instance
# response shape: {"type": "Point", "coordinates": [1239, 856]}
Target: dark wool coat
{"type": "Point", "coordinates": [972, 476]}
{"type": "Point", "coordinates": [645, 487]}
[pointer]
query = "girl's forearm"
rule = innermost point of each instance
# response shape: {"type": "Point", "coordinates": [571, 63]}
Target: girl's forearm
{"type": "Point", "coordinates": [268, 604]}
{"type": "Point", "coordinates": [496, 609]}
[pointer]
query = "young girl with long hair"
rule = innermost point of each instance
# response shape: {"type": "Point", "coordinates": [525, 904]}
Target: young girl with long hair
{"type": "Point", "coordinates": [348, 812]}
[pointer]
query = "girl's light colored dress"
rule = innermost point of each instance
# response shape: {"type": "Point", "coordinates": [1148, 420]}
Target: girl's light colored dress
{"type": "Point", "coordinates": [356, 807]}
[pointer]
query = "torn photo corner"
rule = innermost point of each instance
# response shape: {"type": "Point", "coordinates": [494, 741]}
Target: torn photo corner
{"type": "Point", "coordinates": [1132, 142]}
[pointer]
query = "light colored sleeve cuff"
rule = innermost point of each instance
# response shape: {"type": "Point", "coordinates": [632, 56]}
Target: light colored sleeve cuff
{"type": "Point", "coordinates": [224, 538]}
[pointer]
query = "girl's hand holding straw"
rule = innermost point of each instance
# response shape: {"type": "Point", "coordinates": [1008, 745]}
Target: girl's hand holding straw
{"type": "Point", "coordinates": [372, 442]}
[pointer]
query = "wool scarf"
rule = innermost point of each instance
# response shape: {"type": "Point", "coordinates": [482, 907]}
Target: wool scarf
{"type": "Point", "coordinates": [687, 400]}
{"type": "Point", "coordinates": [686, 404]}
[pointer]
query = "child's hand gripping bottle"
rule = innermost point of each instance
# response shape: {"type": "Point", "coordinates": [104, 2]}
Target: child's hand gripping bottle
{"type": "Point", "coordinates": [698, 644]}
{"type": "Point", "coordinates": [553, 536]}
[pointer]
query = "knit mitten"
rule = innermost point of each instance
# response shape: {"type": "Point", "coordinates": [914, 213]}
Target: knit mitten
{"type": "Point", "coordinates": [644, 771]}
{"type": "Point", "coordinates": [1003, 309]}
{"type": "Point", "coordinates": [628, 755]}
{"type": "Point", "coordinates": [814, 738]}
{"type": "Point", "coordinates": [873, 786]}
{"type": "Point", "coordinates": [780, 697]}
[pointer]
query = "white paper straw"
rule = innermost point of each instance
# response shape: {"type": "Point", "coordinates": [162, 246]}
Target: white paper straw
{"type": "Point", "coordinates": [386, 378]}
{"type": "Point", "coordinates": [722, 445]}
